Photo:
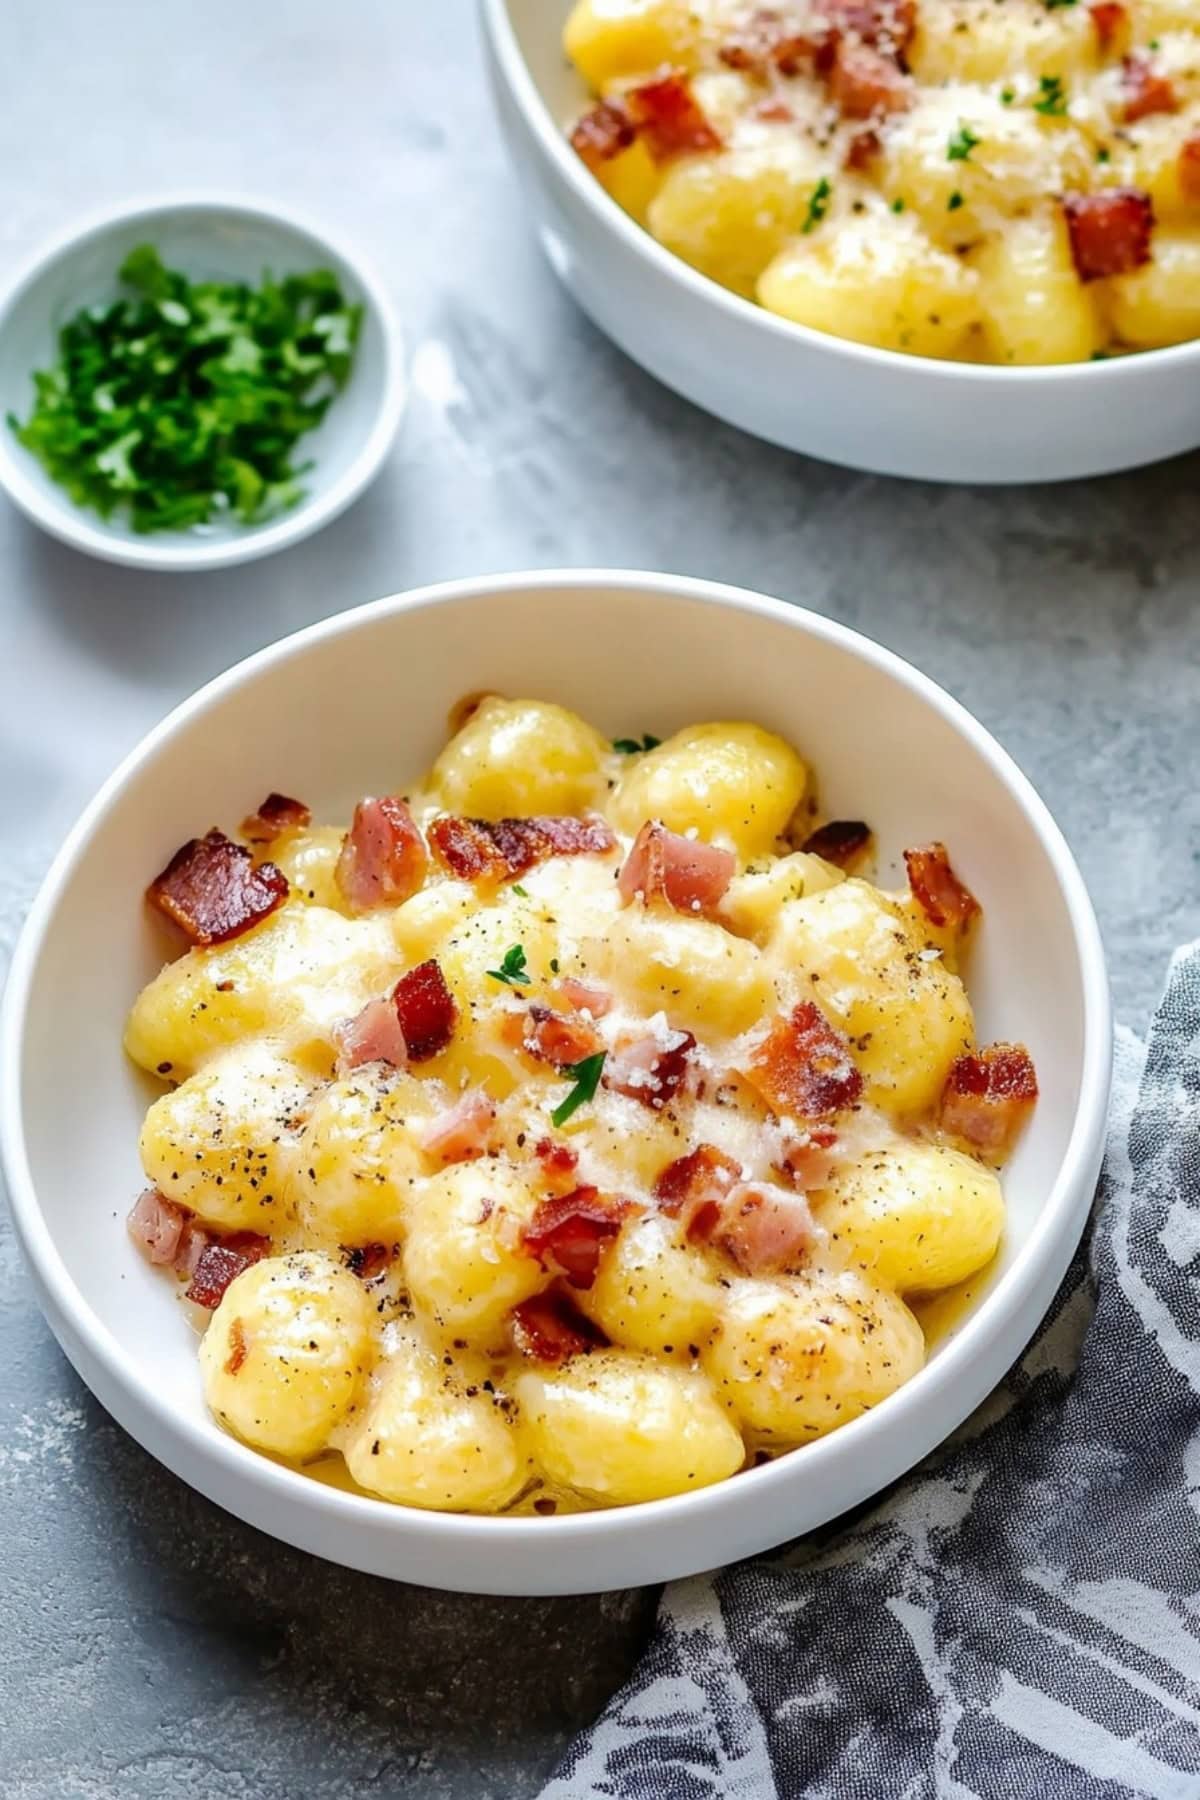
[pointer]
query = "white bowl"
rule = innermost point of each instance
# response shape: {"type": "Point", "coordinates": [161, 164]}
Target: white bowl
{"type": "Point", "coordinates": [328, 712]}
{"type": "Point", "coordinates": [847, 403]}
{"type": "Point", "coordinates": [209, 237]}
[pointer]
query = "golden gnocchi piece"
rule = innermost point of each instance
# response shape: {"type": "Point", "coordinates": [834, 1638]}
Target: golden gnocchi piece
{"type": "Point", "coordinates": [701, 976]}
{"type": "Point", "coordinates": [308, 856]}
{"type": "Point", "coordinates": [360, 1160]}
{"type": "Point", "coordinates": [463, 1259]}
{"type": "Point", "coordinates": [906, 1014]}
{"type": "Point", "coordinates": [730, 784]}
{"type": "Point", "coordinates": [794, 1359]}
{"type": "Point", "coordinates": [916, 1217]}
{"type": "Point", "coordinates": [429, 1436]}
{"type": "Point", "coordinates": [1160, 303]}
{"type": "Point", "coordinates": [978, 41]}
{"type": "Point", "coordinates": [608, 40]}
{"type": "Point", "coordinates": [286, 1353]}
{"type": "Point", "coordinates": [652, 1292]}
{"type": "Point", "coordinates": [1033, 306]}
{"type": "Point", "coordinates": [622, 1427]}
{"type": "Point", "coordinates": [753, 899]}
{"type": "Point", "coordinates": [515, 758]}
{"type": "Point", "coordinates": [225, 1143]}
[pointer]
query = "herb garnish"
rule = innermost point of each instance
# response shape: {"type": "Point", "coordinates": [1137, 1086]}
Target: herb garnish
{"type": "Point", "coordinates": [586, 1076]}
{"type": "Point", "coordinates": [818, 205]}
{"type": "Point", "coordinates": [954, 202]}
{"type": "Point", "coordinates": [518, 889]}
{"type": "Point", "coordinates": [512, 971]}
{"type": "Point", "coordinates": [1053, 5]}
{"type": "Point", "coordinates": [961, 144]}
{"type": "Point", "coordinates": [182, 402]}
{"type": "Point", "coordinates": [631, 746]}
{"type": "Point", "coordinates": [1052, 97]}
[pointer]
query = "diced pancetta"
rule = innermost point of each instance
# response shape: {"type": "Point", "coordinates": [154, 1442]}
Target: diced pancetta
{"type": "Point", "coordinates": [373, 1035]}
{"type": "Point", "coordinates": [650, 1068]}
{"type": "Point", "coordinates": [465, 1131]}
{"type": "Point", "coordinates": [862, 149]}
{"type": "Point", "coordinates": [1110, 19]}
{"type": "Point", "coordinates": [764, 1229]}
{"type": "Point", "coordinates": [769, 40]}
{"type": "Point", "coordinates": [426, 1010]}
{"type": "Point", "coordinates": [694, 1187]}
{"type": "Point", "coordinates": [841, 842]}
{"type": "Point", "coordinates": [602, 134]}
{"type": "Point", "coordinates": [221, 1262]}
{"type": "Point", "coordinates": [887, 24]}
{"type": "Point", "coordinates": [559, 1164]}
{"type": "Point", "coordinates": [156, 1226]}
{"type": "Point", "coordinates": [803, 1067]}
{"type": "Point", "coordinates": [690, 875]}
{"type": "Point", "coordinates": [213, 889]}
{"type": "Point", "coordinates": [1145, 90]}
{"type": "Point", "coordinates": [807, 1157]}
{"type": "Point", "coordinates": [585, 999]}
{"type": "Point", "coordinates": [1110, 231]}
{"type": "Point", "coordinates": [550, 1328]}
{"type": "Point", "coordinates": [866, 84]}
{"type": "Point", "coordinates": [942, 897]}
{"type": "Point", "coordinates": [277, 813]}
{"type": "Point", "coordinates": [568, 1232]}
{"type": "Point", "coordinates": [384, 860]}
{"type": "Point", "coordinates": [494, 850]}
{"type": "Point", "coordinates": [668, 117]}
{"type": "Point", "coordinates": [554, 1038]}
{"type": "Point", "coordinates": [987, 1097]}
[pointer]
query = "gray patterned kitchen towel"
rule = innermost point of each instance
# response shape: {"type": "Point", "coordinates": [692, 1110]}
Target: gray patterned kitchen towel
{"type": "Point", "coordinates": [1020, 1616]}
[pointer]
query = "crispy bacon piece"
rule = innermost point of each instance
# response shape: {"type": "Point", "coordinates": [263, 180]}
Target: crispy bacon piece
{"type": "Point", "coordinates": [568, 1232]}
{"type": "Point", "coordinates": [1111, 21]}
{"type": "Point", "coordinates": [583, 998]}
{"type": "Point", "coordinates": [937, 890]}
{"type": "Point", "coordinates": [691, 876]}
{"type": "Point", "coordinates": [156, 1226]}
{"type": "Point", "coordinates": [277, 813]}
{"type": "Point", "coordinates": [1146, 90]}
{"type": "Point", "coordinates": [763, 1229]}
{"type": "Point", "coordinates": [887, 25]}
{"type": "Point", "coordinates": [1189, 171]}
{"type": "Point", "coordinates": [464, 1132]}
{"type": "Point", "coordinates": [426, 1010]}
{"type": "Point", "coordinates": [602, 134]}
{"type": "Point", "coordinates": [214, 891]}
{"type": "Point", "coordinates": [384, 860]}
{"type": "Point", "coordinates": [1110, 231]}
{"type": "Point", "coordinates": [368, 1261]}
{"type": "Point", "coordinates": [667, 116]}
{"type": "Point", "coordinates": [694, 1187]}
{"type": "Point", "coordinates": [841, 842]}
{"type": "Point", "coordinates": [650, 1068]}
{"type": "Point", "coordinates": [220, 1262]}
{"type": "Point", "coordinates": [551, 1328]}
{"type": "Point", "coordinates": [553, 1038]}
{"type": "Point", "coordinates": [862, 149]}
{"type": "Point", "coordinates": [559, 1164]}
{"type": "Point", "coordinates": [987, 1098]}
{"type": "Point", "coordinates": [768, 40]}
{"type": "Point", "coordinates": [373, 1035]}
{"type": "Point", "coordinates": [502, 849]}
{"type": "Point", "coordinates": [803, 1066]}
{"type": "Point", "coordinates": [807, 1158]}
{"type": "Point", "coordinates": [866, 84]}
{"type": "Point", "coordinates": [775, 112]}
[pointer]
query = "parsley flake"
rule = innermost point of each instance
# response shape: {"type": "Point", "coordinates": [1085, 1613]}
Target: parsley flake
{"type": "Point", "coordinates": [1053, 5]}
{"type": "Point", "coordinates": [954, 202]}
{"type": "Point", "coordinates": [631, 746]}
{"type": "Point", "coordinates": [1052, 97]}
{"type": "Point", "coordinates": [586, 1076]}
{"type": "Point", "coordinates": [1007, 96]}
{"type": "Point", "coordinates": [961, 144]}
{"type": "Point", "coordinates": [897, 206]}
{"type": "Point", "coordinates": [818, 205]}
{"type": "Point", "coordinates": [512, 971]}
{"type": "Point", "coordinates": [518, 889]}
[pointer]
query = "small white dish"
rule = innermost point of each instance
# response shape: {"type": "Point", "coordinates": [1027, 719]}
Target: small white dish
{"type": "Point", "coordinates": [320, 715]}
{"type": "Point", "coordinates": [209, 237]}
{"type": "Point", "coordinates": [844, 402]}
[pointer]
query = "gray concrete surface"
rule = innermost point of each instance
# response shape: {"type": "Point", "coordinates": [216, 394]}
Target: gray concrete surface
{"type": "Point", "coordinates": [150, 1646]}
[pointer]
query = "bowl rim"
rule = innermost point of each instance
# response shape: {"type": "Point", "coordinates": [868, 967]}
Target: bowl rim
{"type": "Point", "coordinates": [88, 532]}
{"type": "Point", "coordinates": [502, 38]}
{"type": "Point", "coordinates": [198, 1440]}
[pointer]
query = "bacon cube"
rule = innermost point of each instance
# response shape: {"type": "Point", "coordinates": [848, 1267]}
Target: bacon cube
{"type": "Point", "coordinates": [213, 889]}
{"type": "Point", "coordinates": [803, 1067]}
{"type": "Point", "coordinates": [1110, 231]}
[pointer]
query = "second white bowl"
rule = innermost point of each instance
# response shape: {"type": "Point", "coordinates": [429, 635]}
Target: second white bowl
{"type": "Point", "coordinates": [844, 402]}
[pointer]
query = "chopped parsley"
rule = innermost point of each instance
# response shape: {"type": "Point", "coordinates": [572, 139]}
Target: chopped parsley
{"type": "Point", "coordinates": [1103, 154]}
{"type": "Point", "coordinates": [1007, 96]}
{"type": "Point", "coordinates": [954, 202]}
{"type": "Point", "coordinates": [518, 889]}
{"type": "Point", "coordinates": [182, 402]}
{"type": "Point", "coordinates": [961, 144]}
{"type": "Point", "coordinates": [632, 747]}
{"type": "Point", "coordinates": [897, 206]}
{"type": "Point", "coordinates": [818, 205]}
{"type": "Point", "coordinates": [512, 971]}
{"type": "Point", "coordinates": [1052, 97]}
{"type": "Point", "coordinates": [1053, 5]}
{"type": "Point", "coordinates": [586, 1076]}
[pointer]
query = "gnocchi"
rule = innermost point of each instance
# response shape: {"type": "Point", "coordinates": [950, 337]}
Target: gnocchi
{"type": "Point", "coordinates": [609, 1149]}
{"type": "Point", "coordinates": [1001, 181]}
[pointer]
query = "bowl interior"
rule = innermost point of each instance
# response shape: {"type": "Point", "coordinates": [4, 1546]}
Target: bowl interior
{"type": "Point", "coordinates": [362, 701]}
{"type": "Point", "coordinates": [538, 26]}
{"type": "Point", "coordinates": [209, 242]}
